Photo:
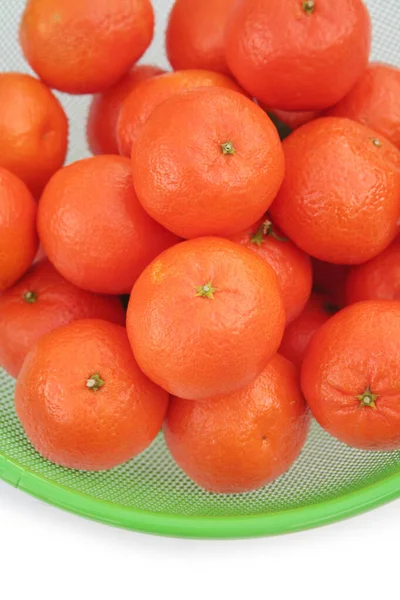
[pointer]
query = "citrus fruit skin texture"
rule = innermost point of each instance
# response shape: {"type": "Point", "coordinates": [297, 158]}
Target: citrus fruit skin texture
{"type": "Point", "coordinates": [299, 332]}
{"type": "Point", "coordinates": [105, 108]}
{"type": "Point", "coordinates": [373, 101]}
{"type": "Point", "coordinates": [82, 427]}
{"type": "Point", "coordinates": [244, 440]}
{"type": "Point", "coordinates": [313, 65]}
{"type": "Point", "coordinates": [205, 318]}
{"type": "Point", "coordinates": [139, 104]}
{"type": "Point", "coordinates": [33, 130]}
{"type": "Point", "coordinates": [291, 265]}
{"type": "Point", "coordinates": [220, 167]}
{"type": "Point", "coordinates": [84, 47]}
{"type": "Point", "coordinates": [340, 201]}
{"type": "Point", "coordinates": [351, 375]}
{"type": "Point", "coordinates": [18, 238]}
{"type": "Point", "coordinates": [40, 302]}
{"type": "Point", "coordinates": [377, 279]}
{"type": "Point", "coordinates": [93, 228]}
{"type": "Point", "coordinates": [195, 35]}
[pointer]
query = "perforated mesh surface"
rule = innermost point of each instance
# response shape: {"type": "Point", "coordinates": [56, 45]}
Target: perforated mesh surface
{"type": "Point", "coordinates": [326, 469]}
{"type": "Point", "coordinates": [153, 482]}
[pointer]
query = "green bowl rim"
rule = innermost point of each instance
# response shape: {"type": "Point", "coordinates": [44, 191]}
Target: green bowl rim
{"type": "Point", "coordinates": [307, 517]}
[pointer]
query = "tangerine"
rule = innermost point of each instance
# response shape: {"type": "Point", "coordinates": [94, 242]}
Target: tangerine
{"type": "Point", "coordinates": [205, 318]}
{"type": "Point", "coordinates": [84, 47]}
{"type": "Point", "coordinates": [93, 228]}
{"type": "Point", "coordinates": [241, 441]}
{"type": "Point", "coordinates": [298, 55]}
{"type": "Point", "coordinates": [351, 375]}
{"type": "Point", "coordinates": [195, 35]}
{"type": "Point", "coordinates": [142, 101]}
{"type": "Point", "coordinates": [40, 302]}
{"type": "Point", "coordinates": [373, 101]}
{"type": "Point", "coordinates": [207, 162]}
{"type": "Point", "coordinates": [340, 200]}
{"type": "Point", "coordinates": [18, 237]}
{"type": "Point", "coordinates": [33, 130]}
{"type": "Point", "coordinates": [83, 401]}
{"type": "Point", "coordinates": [105, 108]}
{"type": "Point", "coordinates": [291, 265]}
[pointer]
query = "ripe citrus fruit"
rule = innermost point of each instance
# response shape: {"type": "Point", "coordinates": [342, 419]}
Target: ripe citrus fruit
{"type": "Point", "coordinates": [377, 279]}
{"type": "Point", "coordinates": [205, 318]}
{"type": "Point", "coordinates": [298, 55]}
{"type": "Point", "coordinates": [340, 200]}
{"type": "Point", "coordinates": [40, 302]}
{"type": "Point", "coordinates": [93, 228]}
{"type": "Point", "coordinates": [33, 130]}
{"type": "Point", "coordinates": [82, 400]}
{"type": "Point", "coordinates": [18, 237]}
{"type": "Point", "coordinates": [244, 440]}
{"type": "Point", "coordinates": [195, 35]}
{"type": "Point", "coordinates": [140, 103]}
{"type": "Point", "coordinates": [298, 334]}
{"type": "Point", "coordinates": [207, 162]}
{"type": "Point", "coordinates": [84, 47]}
{"type": "Point", "coordinates": [373, 101]}
{"type": "Point", "coordinates": [291, 265]}
{"type": "Point", "coordinates": [351, 375]}
{"type": "Point", "coordinates": [105, 108]}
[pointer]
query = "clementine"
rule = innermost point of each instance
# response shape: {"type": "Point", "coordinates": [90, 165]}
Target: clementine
{"type": "Point", "coordinates": [377, 279]}
{"type": "Point", "coordinates": [351, 375]}
{"type": "Point", "coordinates": [40, 302]}
{"type": "Point", "coordinates": [298, 334]}
{"type": "Point", "coordinates": [291, 265]}
{"type": "Point", "coordinates": [82, 400]}
{"type": "Point", "coordinates": [93, 228]}
{"type": "Point", "coordinates": [340, 201]}
{"type": "Point", "coordinates": [105, 108]}
{"type": "Point", "coordinates": [33, 130]}
{"type": "Point", "coordinates": [195, 35]}
{"type": "Point", "coordinates": [141, 102]}
{"type": "Point", "coordinates": [84, 47]}
{"type": "Point", "coordinates": [241, 441]}
{"type": "Point", "coordinates": [373, 101]}
{"type": "Point", "coordinates": [298, 55]}
{"type": "Point", "coordinates": [207, 162]}
{"type": "Point", "coordinates": [18, 237]}
{"type": "Point", "coordinates": [205, 317]}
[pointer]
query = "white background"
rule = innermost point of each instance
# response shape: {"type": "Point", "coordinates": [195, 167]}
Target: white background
{"type": "Point", "coordinates": [48, 554]}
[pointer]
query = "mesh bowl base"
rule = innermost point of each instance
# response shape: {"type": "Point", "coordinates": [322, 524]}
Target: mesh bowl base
{"type": "Point", "coordinates": [151, 493]}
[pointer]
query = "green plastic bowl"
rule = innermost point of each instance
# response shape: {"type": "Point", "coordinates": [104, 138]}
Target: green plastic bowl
{"type": "Point", "coordinates": [329, 482]}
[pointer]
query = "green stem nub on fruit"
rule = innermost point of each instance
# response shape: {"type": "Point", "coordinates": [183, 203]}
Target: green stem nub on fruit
{"type": "Point", "coordinates": [368, 398]}
{"type": "Point", "coordinates": [94, 382]}
{"type": "Point", "coordinates": [376, 142]}
{"type": "Point", "coordinates": [266, 228]}
{"type": "Point", "coordinates": [309, 6]}
{"type": "Point", "coordinates": [228, 148]}
{"type": "Point", "coordinates": [30, 297]}
{"type": "Point", "coordinates": [206, 291]}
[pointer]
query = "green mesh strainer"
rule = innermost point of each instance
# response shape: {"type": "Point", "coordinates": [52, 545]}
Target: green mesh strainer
{"type": "Point", "coordinates": [330, 481]}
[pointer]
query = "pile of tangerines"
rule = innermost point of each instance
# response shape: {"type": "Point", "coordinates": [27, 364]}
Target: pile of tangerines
{"type": "Point", "coordinates": [263, 276]}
